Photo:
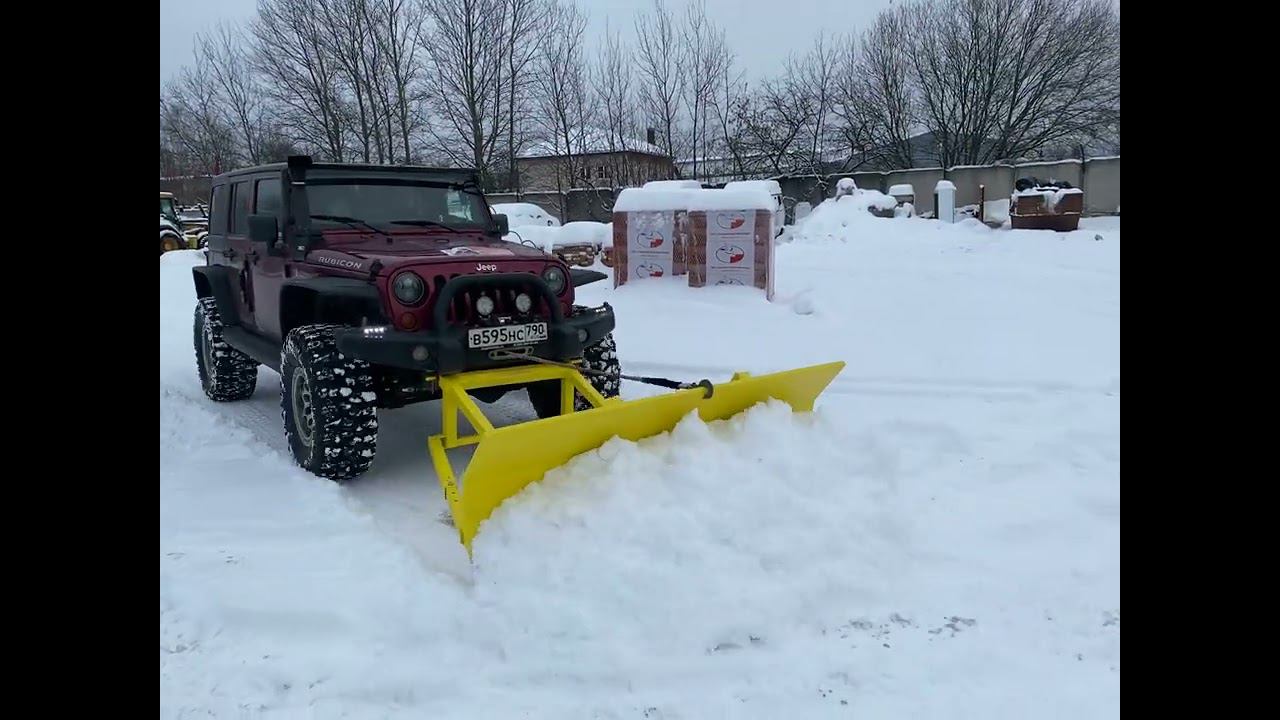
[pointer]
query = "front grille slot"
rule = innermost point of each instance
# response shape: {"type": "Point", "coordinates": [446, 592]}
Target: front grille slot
{"type": "Point", "coordinates": [462, 309]}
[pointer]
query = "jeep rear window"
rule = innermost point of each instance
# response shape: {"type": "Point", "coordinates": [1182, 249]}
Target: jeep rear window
{"type": "Point", "coordinates": [240, 216]}
{"type": "Point", "coordinates": [381, 203]}
{"type": "Point", "coordinates": [218, 210]}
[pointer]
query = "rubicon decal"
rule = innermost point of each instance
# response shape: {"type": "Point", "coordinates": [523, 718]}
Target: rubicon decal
{"type": "Point", "coordinates": [340, 262]}
{"type": "Point", "coordinates": [730, 254]}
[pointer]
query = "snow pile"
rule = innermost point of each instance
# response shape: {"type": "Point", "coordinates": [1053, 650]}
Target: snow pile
{"type": "Point", "coordinates": [772, 187]}
{"type": "Point", "coordinates": [903, 189]}
{"type": "Point", "coordinates": [586, 231]}
{"type": "Point", "coordinates": [664, 198]}
{"type": "Point", "coordinates": [672, 185]}
{"type": "Point", "coordinates": [1052, 195]}
{"type": "Point", "coordinates": [948, 518]}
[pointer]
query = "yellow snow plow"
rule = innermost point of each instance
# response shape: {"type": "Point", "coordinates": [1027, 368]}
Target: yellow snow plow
{"type": "Point", "coordinates": [508, 459]}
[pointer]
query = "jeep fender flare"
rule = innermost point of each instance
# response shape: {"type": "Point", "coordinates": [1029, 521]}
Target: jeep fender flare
{"type": "Point", "coordinates": [219, 282]}
{"type": "Point", "coordinates": [344, 301]}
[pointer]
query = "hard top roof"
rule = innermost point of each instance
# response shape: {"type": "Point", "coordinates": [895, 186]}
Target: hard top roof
{"type": "Point", "coordinates": [458, 175]}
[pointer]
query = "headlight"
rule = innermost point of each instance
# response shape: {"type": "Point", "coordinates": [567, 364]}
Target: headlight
{"type": "Point", "coordinates": [484, 305]}
{"type": "Point", "coordinates": [524, 303]}
{"type": "Point", "coordinates": [408, 288]}
{"type": "Point", "coordinates": [554, 278]}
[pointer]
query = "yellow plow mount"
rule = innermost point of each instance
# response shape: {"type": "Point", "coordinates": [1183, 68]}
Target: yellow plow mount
{"type": "Point", "coordinates": [509, 458]}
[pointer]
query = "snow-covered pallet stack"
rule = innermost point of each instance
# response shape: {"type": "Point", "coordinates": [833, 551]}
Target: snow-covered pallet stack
{"type": "Point", "coordinates": [1046, 208]}
{"type": "Point", "coordinates": [731, 239]}
{"type": "Point", "coordinates": [715, 237]}
{"type": "Point", "coordinates": [649, 226]}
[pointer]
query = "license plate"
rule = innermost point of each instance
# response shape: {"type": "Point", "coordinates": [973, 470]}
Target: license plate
{"type": "Point", "coordinates": [480, 338]}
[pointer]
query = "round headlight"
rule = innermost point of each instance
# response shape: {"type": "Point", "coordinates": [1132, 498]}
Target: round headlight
{"type": "Point", "coordinates": [484, 305]}
{"type": "Point", "coordinates": [408, 288]}
{"type": "Point", "coordinates": [524, 303]}
{"type": "Point", "coordinates": [554, 278]}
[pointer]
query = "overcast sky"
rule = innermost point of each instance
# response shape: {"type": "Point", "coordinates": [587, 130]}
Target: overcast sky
{"type": "Point", "coordinates": [761, 32]}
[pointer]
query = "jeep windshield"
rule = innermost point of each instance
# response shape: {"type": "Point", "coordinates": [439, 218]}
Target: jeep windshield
{"type": "Point", "coordinates": [397, 204]}
{"type": "Point", "coordinates": [168, 208]}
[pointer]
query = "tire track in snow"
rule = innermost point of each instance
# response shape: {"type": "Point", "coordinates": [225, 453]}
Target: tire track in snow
{"type": "Point", "coordinates": [401, 492]}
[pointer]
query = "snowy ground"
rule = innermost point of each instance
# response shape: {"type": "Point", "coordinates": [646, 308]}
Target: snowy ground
{"type": "Point", "coordinates": [939, 539]}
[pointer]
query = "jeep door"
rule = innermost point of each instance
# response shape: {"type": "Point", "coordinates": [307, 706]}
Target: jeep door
{"type": "Point", "coordinates": [228, 242]}
{"type": "Point", "coordinates": [267, 270]}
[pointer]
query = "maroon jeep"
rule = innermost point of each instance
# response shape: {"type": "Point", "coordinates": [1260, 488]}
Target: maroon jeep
{"type": "Point", "coordinates": [362, 284]}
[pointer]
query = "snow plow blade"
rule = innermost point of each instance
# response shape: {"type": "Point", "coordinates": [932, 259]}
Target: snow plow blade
{"type": "Point", "coordinates": [508, 459]}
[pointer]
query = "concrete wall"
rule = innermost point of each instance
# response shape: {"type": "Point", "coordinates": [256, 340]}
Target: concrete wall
{"type": "Point", "coordinates": [1099, 178]}
{"type": "Point", "coordinates": [1102, 185]}
{"type": "Point", "coordinates": [922, 180]}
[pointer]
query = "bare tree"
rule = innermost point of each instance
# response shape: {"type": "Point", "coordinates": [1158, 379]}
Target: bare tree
{"type": "Point", "coordinates": [300, 77]}
{"type": "Point", "coordinates": [224, 57]}
{"type": "Point", "coordinates": [561, 92]}
{"type": "Point", "coordinates": [464, 51]}
{"type": "Point", "coordinates": [999, 78]}
{"type": "Point", "coordinates": [882, 88]}
{"type": "Point", "coordinates": [815, 75]}
{"type": "Point", "coordinates": [614, 84]}
{"type": "Point", "coordinates": [523, 19]}
{"type": "Point", "coordinates": [704, 58]}
{"type": "Point", "coordinates": [662, 83]}
{"type": "Point", "coordinates": [191, 118]}
{"type": "Point", "coordinates": [776, 123]}
{"type": "Point", "coordinates": [730, 105]}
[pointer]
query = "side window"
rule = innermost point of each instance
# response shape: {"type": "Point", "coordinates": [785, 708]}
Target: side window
{"type": "Point", "coordinates": [219, 209]}
{"type": "Point", "coordinates": [267, 197]}
{"type": "Point", "coordinates": [240, 199]}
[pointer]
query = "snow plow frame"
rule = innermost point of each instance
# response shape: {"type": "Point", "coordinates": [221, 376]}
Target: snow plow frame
{"type": "Point", "coordinates": [508, 459]}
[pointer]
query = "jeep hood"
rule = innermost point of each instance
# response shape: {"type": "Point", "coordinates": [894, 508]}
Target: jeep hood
{"type": "Point", "coordinates": [419, 248]}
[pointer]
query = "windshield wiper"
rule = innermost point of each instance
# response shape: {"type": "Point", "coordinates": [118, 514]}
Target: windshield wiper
{"type": "Point", "coordinates": [353, 222]}
{"type": "Point", "coordinates": [425, 223]}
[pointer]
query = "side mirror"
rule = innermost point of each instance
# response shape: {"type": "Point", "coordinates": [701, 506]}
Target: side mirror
{"type": "Point", "coordinates": [504, 226]}
{"type": "Point", "coordinates": [264, 229]}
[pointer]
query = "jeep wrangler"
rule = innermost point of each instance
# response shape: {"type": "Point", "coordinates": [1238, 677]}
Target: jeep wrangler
{"type": "Point", "coordinates": [361, 285]}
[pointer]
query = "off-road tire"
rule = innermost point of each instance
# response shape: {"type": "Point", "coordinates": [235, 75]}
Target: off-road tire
{"type": "Point", "coordinates": [602, 356]}
{"type": "Point", "coordinates": [226, 374]}
{"type": "Point", "coordinates": [338, 394]}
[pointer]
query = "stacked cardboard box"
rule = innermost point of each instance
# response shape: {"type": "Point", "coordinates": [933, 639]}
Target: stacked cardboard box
{"type": "Point", "coordinates": [731, 247]}
{"type": "Point", "coordinates": [716, 237]}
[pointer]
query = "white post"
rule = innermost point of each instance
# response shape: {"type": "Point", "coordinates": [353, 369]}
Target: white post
{"type": "Point", "coordinates": [944, 194]}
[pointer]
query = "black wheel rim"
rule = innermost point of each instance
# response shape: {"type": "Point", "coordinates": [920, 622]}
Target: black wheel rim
{"type": "Point", "coordinates": [206, 350]}
{"type": "Point", "coordinates": [304, 419]}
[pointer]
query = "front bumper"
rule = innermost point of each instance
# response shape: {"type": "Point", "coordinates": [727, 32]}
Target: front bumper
{"type": "Point", "coordinates": [443, 350]}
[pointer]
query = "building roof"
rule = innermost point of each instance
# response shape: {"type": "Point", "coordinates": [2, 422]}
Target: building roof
{"type": "Point", "coordinates": [593, 142]}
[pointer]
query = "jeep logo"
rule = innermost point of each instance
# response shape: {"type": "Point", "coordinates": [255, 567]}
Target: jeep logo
{"type": "Point", "coordinates": [485, 267]}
